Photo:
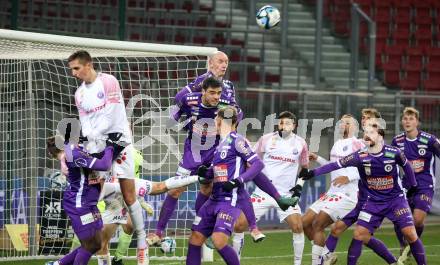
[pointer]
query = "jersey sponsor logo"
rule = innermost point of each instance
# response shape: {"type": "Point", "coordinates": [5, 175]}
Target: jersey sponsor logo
{"type": "Point", "coordinates": [402, 211]}
{"type": "Point", "coordinates": [389, 161]}
{"type": "Point", "coordinates": [283, 159]}
{"type": "Point", "coordinates": [93, 178]}
{"type": "Point", "coordinates": [380, 183]}
{"type": "Point", "coordinates": [364, 216]}
{"type": "Point", "coordinates": [225, 216]}
{"type": "Point", "coordinates": [422, 146]}
{"type": "Point", "coordinates": [141, 192]}
{"type": "Point", "coordinates": [418, 165]}
{"type": "Point", "coordinates": [87, 218]}
{"type": "Point", "coordinates": [192, 103]}
{"type": "Point", "coordinates": [422, 152]}
{"type": "Point", "coordinates": [388, 168]}
{"type": "Point", "coordinates": [344, 161]}
{"type": "Point", "coordinates": [426, 198]}
{"type": "Point", "coordinates": [390, 154]}
{"type": "Point", "coordinates": [221, 173]}
{"type": "Point", "coordinates": [423, 140]}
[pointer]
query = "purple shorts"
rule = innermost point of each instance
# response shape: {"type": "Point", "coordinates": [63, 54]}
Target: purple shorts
{"type": "Point", "coordinates": [396, 210]}
{"type": "Point", "coordinates": [216, 217]}
{"type": "Point", "coordinates": [422, 200]}
{"type": "Point", "coordinates": [86, 221]}
{"type": "Point", "coordinates": [353, 215]}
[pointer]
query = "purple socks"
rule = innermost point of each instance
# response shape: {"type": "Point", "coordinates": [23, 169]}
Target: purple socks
{"type": "Point", "coordinates": [380, 249]}
{"type": "Point", "coordinates": [419, 230]}
{"type": "Point", "coordinates": [331, 243]}
{"type": "Point", "coordinates": [167, 210]}
{"type": "Point", "coordinates": [194, 256]}
{"type": "Point", "coordinates": [418, 252]}
{"type": "Point", "coordinates": [354, 252]}
{"type": "Point", "coordinates": [229, 255]}
{"type": "Point", "coordinates": [69, 258]}
{"type": "Point", "coordinates": [82, 257]}
{"type": "Point", "coordinates": [263, 182]}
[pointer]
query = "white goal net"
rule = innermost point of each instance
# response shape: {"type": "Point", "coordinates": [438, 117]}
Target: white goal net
{"type": "Point", "coordinates": [36, 92]}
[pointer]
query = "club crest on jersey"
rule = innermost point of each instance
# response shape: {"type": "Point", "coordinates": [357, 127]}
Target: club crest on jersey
{"type": "Point", "coordinates": [100, 95]}
{"type": "Point", "coordinates": [388, 168]}
{"type": "Point", "coordinates": [422, 151]}
{"type": "Point", "coordinates": [345, 148]}
{"type": "Point", "coordinates": [80, 162]}
{"type": "Point", "coordinates": [295, 151]}
{"type": "Point", "coordinates": [223, 154]}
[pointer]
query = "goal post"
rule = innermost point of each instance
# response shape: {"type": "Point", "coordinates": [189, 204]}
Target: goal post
{"type": "Point", "coordinates": [36, 92]}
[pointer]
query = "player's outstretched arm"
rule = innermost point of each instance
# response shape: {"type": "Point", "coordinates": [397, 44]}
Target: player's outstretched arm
{"type": "Point", "coordinates": [105, 162]}
{"type": "Point", "coordinates": [256, 165]}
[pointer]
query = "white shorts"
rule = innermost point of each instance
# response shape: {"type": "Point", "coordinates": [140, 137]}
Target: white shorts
{"type": "Point", "coordinates": [336, 205]}
{"type": "Point", "coordinates": [262, 203]}
{"type": "Point", "coordinates": [123, 165]}
{"type": "Point", "coordinates": [115, 212]}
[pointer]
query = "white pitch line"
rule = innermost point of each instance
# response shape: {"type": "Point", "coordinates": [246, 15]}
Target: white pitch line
{"type": "Point", "coordinates": [338, 252]}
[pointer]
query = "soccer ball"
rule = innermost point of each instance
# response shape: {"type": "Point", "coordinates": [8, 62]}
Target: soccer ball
{"type": "Point", "coordinates": [168, 245]}
{"type": "Point", "coordinates": [268, 17]}
{"type": "Point", "coordinates": [57, 180]}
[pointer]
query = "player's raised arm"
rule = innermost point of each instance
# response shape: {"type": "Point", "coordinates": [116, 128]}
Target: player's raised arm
{"type": "Point", "coordinates": [348, 161]}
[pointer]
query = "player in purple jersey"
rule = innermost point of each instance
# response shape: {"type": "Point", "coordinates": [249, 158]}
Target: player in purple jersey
{"type": "Point", "coordinates": [340, 226]}
{"type": "Point", "coordinates": [378, 170]}
{"type": "Point", "coordinates": [217, 66]}
{"type": "Point", "coordinates": [81, 197]}
{"type": "Point", "coordinates": [228, 173]}
{"type": "Point", "coordinates": [420, 148]}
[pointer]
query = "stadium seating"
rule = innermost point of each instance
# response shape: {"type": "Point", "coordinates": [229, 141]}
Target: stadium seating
{"type": "Point", "coordinates": [407, 39]}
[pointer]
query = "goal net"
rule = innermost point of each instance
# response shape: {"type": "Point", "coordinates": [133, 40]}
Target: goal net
{"type": "Point", "coordinates": [36, 92]}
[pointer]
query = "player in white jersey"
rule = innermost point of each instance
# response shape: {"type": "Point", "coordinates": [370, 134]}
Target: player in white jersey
{"type": "Point", "coordinates": [102, 115]}
{"type": "Point", "coordinates": [283, 153]}
{"type": "Point", "coordinates": [341, 197]}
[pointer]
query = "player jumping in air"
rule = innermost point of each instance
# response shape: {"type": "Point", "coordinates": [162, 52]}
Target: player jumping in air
{"type": "Point", "coordinates": [229, 173]}
{"type": "Point", "coordinates": [102, 115]}
{"type": "Point", "coordinates": [342, 195]}
{"type": "Point", "coordinates": [282, 153]}
{"type": "Point", "coordinates": [420, 148]}
{"type": "Point", "coordinates": [378, 170]}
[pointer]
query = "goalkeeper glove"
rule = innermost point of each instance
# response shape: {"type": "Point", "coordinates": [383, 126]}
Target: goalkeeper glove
{"type": "Point", "coordinates": [296, 191]}
{"type": "Point", "coordinates": [201, 172]}
{"type": "Point", "coordinates": [230, 185]}
{"type": "Point", "coordinates": [411, 191]}
{"type": "Point", "coordinates": [306, 174]}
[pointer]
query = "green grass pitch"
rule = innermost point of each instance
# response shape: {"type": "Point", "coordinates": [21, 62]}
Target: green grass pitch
{"type": "Point", "coordinates": [277, 250]}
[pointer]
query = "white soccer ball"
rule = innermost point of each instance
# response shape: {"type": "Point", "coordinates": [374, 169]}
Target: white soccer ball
{"type": "Point", "coordinates": [57, 180]}
{"type": "Point", "coordinates": [168, 245]}
{"type": "Point", "coordinates": [268, 17]}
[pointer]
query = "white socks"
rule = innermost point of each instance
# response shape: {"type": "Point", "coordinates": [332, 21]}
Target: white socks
{"type": "Point", "coordinates": [180, 181]}
{"type": "Point", "coordinates": [298, 247]}
{"type": "Point", "coordinates": [237, 243]}
{"type": "Point", "coordinates": [137, 218]}
{"type": "Point", "coordinates": [316, 254]}
{"type": "Point", "coordinates": [104, 259]}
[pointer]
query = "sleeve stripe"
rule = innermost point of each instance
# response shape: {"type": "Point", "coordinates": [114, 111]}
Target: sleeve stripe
{"type": "Point", "coordinates": [92, 163]}
{"type": "Point", "coordinates": [252, 157]}
{"type": "Point", "coordinates": [189, 89]}
{"type": "Point", "coordinates": [339, 163]}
